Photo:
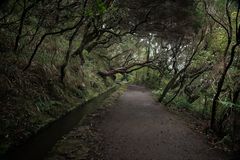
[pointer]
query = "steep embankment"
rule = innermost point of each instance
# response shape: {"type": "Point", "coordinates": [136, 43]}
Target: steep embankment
{"type": "Point", "coordinates": [31, 99]}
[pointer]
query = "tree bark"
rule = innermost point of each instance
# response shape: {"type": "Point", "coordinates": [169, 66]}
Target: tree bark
{"type": "Point", "coordinates": [219, 89]}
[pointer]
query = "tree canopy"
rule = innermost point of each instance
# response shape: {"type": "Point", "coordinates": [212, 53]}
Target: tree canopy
{"type": "Point", "coordinates": [187, 51]}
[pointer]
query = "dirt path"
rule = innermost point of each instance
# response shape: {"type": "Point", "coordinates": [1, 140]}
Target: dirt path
{"type": "Point", "coordinates": [137, 128]}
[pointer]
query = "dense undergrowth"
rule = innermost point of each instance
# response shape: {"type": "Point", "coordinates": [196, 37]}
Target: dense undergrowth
{"type": "Point", "coordinates": [56, 54]}
{"type": "Point", "coordinates": [33, 98]}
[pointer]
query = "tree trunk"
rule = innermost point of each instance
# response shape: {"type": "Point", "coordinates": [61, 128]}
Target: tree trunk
{"type": "Point", "coordinates": [22, 19]}
{"type": "Point", "coordinates": [219, 89]}
{"type": "Point", "coordinates": [168, 87]}
{"type": "Point", "coordinates": [177, 92]}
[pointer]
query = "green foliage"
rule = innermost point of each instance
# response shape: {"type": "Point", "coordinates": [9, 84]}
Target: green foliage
{"type": "Point", "coordinates": [101, 7]}
{"type": "Point", "coordinates": [200, 18]}
{"type": "Point", "coordinates": [229, 104]}
{"type": "Point", "coordinates": [89, 13]}
{"type": "Point", "coordinates": [157, 92]}
{"type": "Point", "coordinates": [204, 57]}
{"type": "Point", "coordinates": [181, 102]}
{"type": "Point", "coordinates": [220, 4]}
{"type": "Point", "coordinates": [44, 104]}
{"type": "Point", "coordinates": [218, 40]}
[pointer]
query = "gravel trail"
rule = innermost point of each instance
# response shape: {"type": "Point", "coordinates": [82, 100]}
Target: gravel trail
{"type": "Point", "coordinates": [138, 128]}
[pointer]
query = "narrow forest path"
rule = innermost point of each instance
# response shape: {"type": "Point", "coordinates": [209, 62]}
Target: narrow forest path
{"type": "Point", "coordinates": [137, 128]}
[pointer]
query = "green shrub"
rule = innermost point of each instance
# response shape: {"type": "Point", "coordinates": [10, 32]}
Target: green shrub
{"type": "Point", "coordinates": [181, 102]}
